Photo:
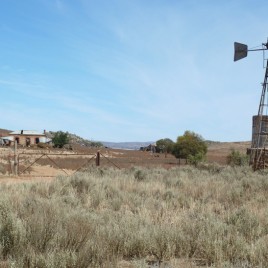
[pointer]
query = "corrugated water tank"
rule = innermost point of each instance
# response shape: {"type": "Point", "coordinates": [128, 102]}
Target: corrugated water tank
{"type": "Point", "coordinates": [259, 126]}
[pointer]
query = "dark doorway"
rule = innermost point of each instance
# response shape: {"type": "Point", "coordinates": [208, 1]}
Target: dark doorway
{"type": "Point", "coordinates": [28, 142]}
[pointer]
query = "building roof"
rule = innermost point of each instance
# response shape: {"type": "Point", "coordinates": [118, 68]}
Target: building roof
{"type": "Point", "coordinates": [9, 138]}
{"type": "Point", "coordinates": [27, 132]}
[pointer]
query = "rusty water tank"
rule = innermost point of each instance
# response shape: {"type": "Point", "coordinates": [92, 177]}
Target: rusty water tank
{"type": "Point", "coordinates": [259, 128]}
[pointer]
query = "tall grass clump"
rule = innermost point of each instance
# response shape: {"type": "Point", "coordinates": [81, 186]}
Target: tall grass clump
{"type": "Point", "coordinates": [204, 216]}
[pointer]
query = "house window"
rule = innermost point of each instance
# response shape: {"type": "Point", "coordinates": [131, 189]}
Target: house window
{"type": "Point", "coordinates": [17, 139]}
{"type": "Point", "coordinates": [37, 140]}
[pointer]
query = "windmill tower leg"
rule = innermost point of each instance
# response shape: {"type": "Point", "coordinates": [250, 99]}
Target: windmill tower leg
{"type": "Point", "coordinates": [258, 157]}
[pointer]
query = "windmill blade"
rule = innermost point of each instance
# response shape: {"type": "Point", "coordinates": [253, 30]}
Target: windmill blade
{"type": "Point", "coordinates": [241, 51]}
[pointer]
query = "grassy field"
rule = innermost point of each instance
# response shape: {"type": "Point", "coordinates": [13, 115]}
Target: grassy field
{"type": "Point", "coordinates": [181, 217]}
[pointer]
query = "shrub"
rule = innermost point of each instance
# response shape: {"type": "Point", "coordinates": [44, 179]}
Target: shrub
{"type": "Point", "coordinates": [60, 139]}
{"type": "Point", "coordinates": [43, 145]}
{"type": "Point", "coordinates": [139, 175]}
{"type": "Point", "coordinates": [212, 168]}
{"type": "Point", "coordinates": [2, 168]}
{"type": "Point", "coordinates": [235, 158]}
{"type": "Point", "coordinates": [195, 159]}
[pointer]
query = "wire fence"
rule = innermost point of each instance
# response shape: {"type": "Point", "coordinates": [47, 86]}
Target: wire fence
{"type": "Point", "coordinates": [51, 164]}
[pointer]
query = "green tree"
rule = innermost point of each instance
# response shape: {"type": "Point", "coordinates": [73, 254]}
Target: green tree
{"type": "Point", "coordinates": [96, 144]}
{"type": "Point", "coordinates": [165, 145]}
{"type": "Point", "coordinates": [190, 146]}
{"type": "Point", "coordinates": [60, 138]}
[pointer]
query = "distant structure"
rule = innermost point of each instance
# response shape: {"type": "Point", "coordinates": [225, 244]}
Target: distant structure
{"type": "Point", "coordinates": [259, 142]}
{"type": "Point", "coordinates": [25, 138]}
{"type": "Point", "coordinates": [150, 148]}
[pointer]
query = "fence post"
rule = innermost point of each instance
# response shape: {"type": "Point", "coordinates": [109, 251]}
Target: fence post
{"type": "Point", "coordinates": [15, 158]}
{"type": "Point", "coordinates": [264, 158]}
{"type": "Point", "coordinates": [98, 159]}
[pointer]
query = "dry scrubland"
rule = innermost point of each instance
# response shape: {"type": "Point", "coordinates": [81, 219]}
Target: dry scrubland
{"type": "Point", "coordinates": [182, 217]}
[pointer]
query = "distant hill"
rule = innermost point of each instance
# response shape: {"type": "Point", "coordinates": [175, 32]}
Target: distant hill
{"type": "Point", "coordinates": [75, 139]}
{"type": "Point", "coordinates": [126, 145]}
{"type": "Point", "coordinates": [4, 132]}
{"type": "Point", "coordinates": [211, 144]}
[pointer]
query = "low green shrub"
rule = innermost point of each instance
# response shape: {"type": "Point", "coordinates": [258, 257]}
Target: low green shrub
{"type": "Point", "coordinates": [140, 175]}
{"type": "Point", "coordinates": [235, 158]}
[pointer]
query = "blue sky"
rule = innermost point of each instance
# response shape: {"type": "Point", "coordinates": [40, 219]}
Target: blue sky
{"type": "Point", "coordinates": [131, 70]}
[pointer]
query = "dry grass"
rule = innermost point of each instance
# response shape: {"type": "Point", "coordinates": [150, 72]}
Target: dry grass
{"type": "Point", "coordinates": [132, 218]}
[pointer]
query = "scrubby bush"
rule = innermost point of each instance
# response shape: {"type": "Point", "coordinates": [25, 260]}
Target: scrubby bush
{"type": "Point", "coordinates": [210, 167]}
{"type": "Point", "coordinates": [196, 159]}
{"type": "Point", "coordinates": [140, 175]}
{"type": "Point", "coordinates": [2, 168]}
{"type": "Point", "coordinates": [43, 145]}
{"type": "Point", "coordinates": [235, 158]}
{"type": "Point", "coordinates": [101, 217]}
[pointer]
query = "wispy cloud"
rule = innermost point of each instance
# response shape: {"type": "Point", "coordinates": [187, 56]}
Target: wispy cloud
{"type": "Point", "coordinates": [132, 65]}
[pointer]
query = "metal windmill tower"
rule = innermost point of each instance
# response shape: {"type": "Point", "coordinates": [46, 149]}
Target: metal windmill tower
{"type": "Point", "coordinates": [259, 142]}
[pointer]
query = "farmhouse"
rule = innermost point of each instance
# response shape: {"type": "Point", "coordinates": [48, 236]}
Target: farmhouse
{"type": "Point", "coordinates": [25, 137]}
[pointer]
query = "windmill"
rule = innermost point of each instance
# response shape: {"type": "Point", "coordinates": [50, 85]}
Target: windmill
{"type": "Point", "coordinates": [259, 143]}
